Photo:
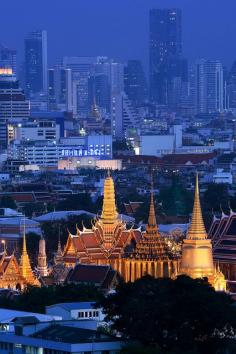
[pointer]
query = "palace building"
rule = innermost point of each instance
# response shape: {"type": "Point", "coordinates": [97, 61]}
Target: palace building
{"type": "Point", "coordinates": [197, 256]}
{"type": "Point", "coordinates": [222, 233]}
{"type": "Point", "coordinates": [131, 252]}
{"type": "Point", "coordinates": [14, 275]}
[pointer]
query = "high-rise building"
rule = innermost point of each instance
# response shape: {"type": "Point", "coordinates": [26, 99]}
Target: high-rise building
{"type": "Point", "coordinates": [36, 62]}
{"type": "Point", "coordinates": [82, 68]}
{"type": "Point", "coordinates": [209, 86]}
{"type": "Point", "coordinates": [99, 91]}
{"type": "Point", "coordinates": [165, 49]}
{"type": "Point", "coordinates": [231, 89]}
{"type": "Point", "coordinates": [123, 115]}
{"type": "Point", "coordinates": [8, 58]}
{"type": "Point", "coordinates": [59, 89]}
{"type": "Point", "coordinates": [135, 85]}
{"type": "Point", "coordinates": [13, 105]}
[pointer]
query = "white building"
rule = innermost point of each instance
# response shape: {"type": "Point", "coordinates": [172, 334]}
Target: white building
{"type": "Point", "coordinates": [209, 86]}
{"type": "Point", "coordinates": [47, 153]}
{"type": "Point", "coordinates": [222, 177]}
{"type": "Point", "coordinates": [157, 145]}
{"type": "Point", "coordinates": [90, 316]}
{"type": "Point", "coordinates": [38, 130]}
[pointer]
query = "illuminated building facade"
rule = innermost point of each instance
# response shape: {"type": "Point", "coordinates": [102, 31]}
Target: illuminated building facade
{"type": "Point", "coordinates": [197, 255]}
{"type": "Point", "coordinates": [109, 241]}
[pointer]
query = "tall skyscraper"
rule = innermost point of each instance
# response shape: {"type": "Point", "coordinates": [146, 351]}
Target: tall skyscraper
{"type": "Point", "coordinates": [36, 62]}
{"type": "Point", "coordinates": [231, 89]}
{"type": "Point", "coordinates": [59, 89]}
{"type": "Point", "coordinates": [13, 105]}
{"type": "Point", "coordinates": [8, 58]}
{"type": "Point", "coordinates": [209, 86]}
{"type": "Point", "coordinates": [82, 68]}
{"type": "Point", "coordinates": [165, 49]}
{"type": "Point", "coordinates": [135, 85]}
{"type": "Point", "coordinates": [99, 91]}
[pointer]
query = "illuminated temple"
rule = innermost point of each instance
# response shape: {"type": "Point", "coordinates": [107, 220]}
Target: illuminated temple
{"type": "Point", "coordinates": [131, 252]}
{"type": "Point", "coordinates": [197, 256]}
{"type": "Point", "coordinates": [222, 233]}
{"type": "Point", "coordinates": [14, 275]}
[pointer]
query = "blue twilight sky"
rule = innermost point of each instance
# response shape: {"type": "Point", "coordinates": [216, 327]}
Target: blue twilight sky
{"type": "Point", "coordinates": [118, 28]}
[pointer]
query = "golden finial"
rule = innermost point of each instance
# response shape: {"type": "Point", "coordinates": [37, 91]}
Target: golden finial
{"type": "Point", "coordinates": [109, 211]}
{"type": "Point", "coordinates": [197, 228]}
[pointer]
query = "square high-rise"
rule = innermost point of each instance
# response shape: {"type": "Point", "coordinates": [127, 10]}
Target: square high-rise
{"type": "Point", "coordinates": [36, 62]}
{"type": "Point", "coordinates": [165, 49]}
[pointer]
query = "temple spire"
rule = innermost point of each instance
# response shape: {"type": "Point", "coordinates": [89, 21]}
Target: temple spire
{"type": "Point", "coordinates": [25, 267]}
{"type": "Point", "coordinates": [152, 227]}
{"type": "Point", "coordinates": [109, 212]}
{"type": "Point", "coordinates": [197, 228]}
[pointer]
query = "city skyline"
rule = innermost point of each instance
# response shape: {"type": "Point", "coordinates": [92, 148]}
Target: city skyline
{"type": "Point", "coordinates": [75, 23]}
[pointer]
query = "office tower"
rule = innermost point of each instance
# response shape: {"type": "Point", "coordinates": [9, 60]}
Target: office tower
{"type": "Point", "coordinates": [231, 86]}
{"type": "Point", "coordinates": [114, 71]}
{"type": "Point", "coordinates": [36, 62]}
{"type": "Point", "coordinates": [99, 91]}
{"type": "Point", "coordinates": [165, 49]}
{"type": "Point", "coordinates": [8, 58]}
{"type": "Point", "coordinates": [123, 115]}
{"type": "Point", "coordinates": [209, 88]}
{"type": "Point", "coordinates": [13, 105]}
{"type": "Point", "coordinates": [135, 85]}
{"type": "Point", "coordinates": [82, 68]}
{"type": "Point", "coordinates": [59, 89]}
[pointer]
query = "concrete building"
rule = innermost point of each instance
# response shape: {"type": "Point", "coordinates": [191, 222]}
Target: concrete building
{"type": "Point", "coordinates": [34, 130]}
{"type": "Point", "coordinates": [157, 145]}
{"type": "Point", "coordinates": [36, 62]}
{"type": "Point", "coordinates": [209, 87]}
{"type": "Point", "coordinates": [13, 105]}
{"type": "Point", "coordinates": [59, 89]}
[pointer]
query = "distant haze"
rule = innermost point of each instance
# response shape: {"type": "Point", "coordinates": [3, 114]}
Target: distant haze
{"type": "Point", "coordinates": [118, 28]}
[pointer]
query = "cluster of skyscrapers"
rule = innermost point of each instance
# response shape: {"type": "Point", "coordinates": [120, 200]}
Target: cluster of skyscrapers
{"type": "Point", "coordinates": [100, 95]}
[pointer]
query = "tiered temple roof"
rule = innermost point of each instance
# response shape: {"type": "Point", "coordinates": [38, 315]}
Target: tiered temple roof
{"type": "Point", "coordinates": [108, 237]}
{"type": "Point", "coordinates": [151, 245]}
{"type": "Point", "coordinates": [223, 234]}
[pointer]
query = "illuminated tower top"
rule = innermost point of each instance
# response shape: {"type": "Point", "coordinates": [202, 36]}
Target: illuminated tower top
{"type": "Point", "coordinates": [197, 229]}
{"type": "Point", "coordinates": [109, 212]}
{"type": "Point", "coordinates": [25, 267]}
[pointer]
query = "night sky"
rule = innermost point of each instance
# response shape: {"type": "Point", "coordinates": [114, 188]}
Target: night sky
{"type": "Point", "coordinates": [118, 28]}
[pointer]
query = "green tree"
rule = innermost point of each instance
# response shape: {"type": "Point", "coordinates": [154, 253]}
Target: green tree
{"type": "Point", "coordinates": [175, 315]}
{"type": "Point", "coordinates": [35, 299]}
{"type": "Point", "coordinates": [7, 202]}
{"type": "Point", "coordinates": [215, 197]}
{"type": "Point", "coordinates": [176, 200]}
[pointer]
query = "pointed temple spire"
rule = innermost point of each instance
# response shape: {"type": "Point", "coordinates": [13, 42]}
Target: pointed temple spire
{"type": "Point", "coordinates": [197, 228]}
{"type": "Point", "coordinates": [25, 267]}
{"type": "Point", "coordinates": [109, 212]}
{"type": "Point", "coordinates": [152, 227]}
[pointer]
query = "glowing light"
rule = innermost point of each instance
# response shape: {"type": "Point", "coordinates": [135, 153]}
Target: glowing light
{"type": "Point", "coordinates": [5, 71]}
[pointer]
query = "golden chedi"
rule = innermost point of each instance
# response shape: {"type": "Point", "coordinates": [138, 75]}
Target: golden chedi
{"type": "Point", "coordinates": [197, 259]}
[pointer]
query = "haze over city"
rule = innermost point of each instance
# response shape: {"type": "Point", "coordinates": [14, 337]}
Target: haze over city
{"type": "Point", "coordinates": [119, 29]}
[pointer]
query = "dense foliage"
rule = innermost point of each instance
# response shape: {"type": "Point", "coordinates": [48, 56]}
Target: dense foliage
{"type": "Point", "coordinates": [174, 316]}
{"type": "Point", "coordinates": [35, 299]}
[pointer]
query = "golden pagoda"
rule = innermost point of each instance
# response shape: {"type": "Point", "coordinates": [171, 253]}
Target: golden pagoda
{"type": "Point", "coordinates": [25, 267]}
{"type": "Point", "coordinates": [197, 259]}
{"type": "Point", "coordinates": [150, 255]}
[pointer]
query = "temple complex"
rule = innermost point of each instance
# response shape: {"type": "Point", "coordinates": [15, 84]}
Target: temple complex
{"type": "Point", "coordinates": [197, 256]}
{"type": "Point", "coordinates": [10, 273]}
{"type": "Point", "coordinates": [14, 275]}
{"type": "Point", "coordinates": [42, 266]}
{"type": "Point", "coordinates": [25, 267]}
{"type": "Point", "coordinates": [222, 233]}
{"type": "Point", "coordinates": [110, 242]}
